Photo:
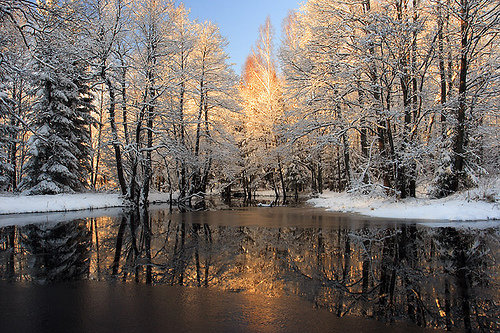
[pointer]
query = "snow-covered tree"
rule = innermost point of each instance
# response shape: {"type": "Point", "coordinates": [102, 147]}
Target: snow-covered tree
{"type": "Point", "coordinates": [473, 104]}
{"type": "Point", "coordinates": [215, 104]}
{"type": "Point", "coordinates": [263, 109]}
{"type": "Point", "coordinates": [369, 78]}
{"type": "Point", "coordinates": [60, 146]}
{"type": "Point", "coordinates": [14, 89]}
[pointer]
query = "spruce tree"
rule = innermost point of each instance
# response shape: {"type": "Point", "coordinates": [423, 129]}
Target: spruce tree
{"type": "Point", "coordinates": [60, 146]}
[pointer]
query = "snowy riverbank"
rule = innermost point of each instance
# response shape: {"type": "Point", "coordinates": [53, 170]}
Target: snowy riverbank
{"type": "Point", "coordinates": [15, 204]}
{"type": "Point", "coordinates": [459, 207]}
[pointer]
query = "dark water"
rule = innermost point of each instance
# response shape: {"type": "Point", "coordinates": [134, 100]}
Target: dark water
{"type": "Point", "coordinates": [255, 269]}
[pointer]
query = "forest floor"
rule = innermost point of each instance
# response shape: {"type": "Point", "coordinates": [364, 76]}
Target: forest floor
{"type": "Point", "coordinates": [482, 203]}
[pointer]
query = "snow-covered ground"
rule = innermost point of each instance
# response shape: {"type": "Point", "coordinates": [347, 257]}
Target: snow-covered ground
{"type": "Point", "coordinates": [16, 204]}
{"type": "Point", "coordinates": [58, 203]}
{"type": "Point", "coordinates": [459, 207]}
{"type": "Point", "coordinates": [56, 217]}
{"type": "Point", "coordinates": [471, 225]}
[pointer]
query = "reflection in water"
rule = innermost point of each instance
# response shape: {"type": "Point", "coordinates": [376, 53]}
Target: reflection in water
{"type": "Point", "coordinates": [432, 277]}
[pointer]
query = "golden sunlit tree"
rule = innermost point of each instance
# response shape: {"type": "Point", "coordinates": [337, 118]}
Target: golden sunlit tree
{"type": "Point", "coordinates": [263, 109]}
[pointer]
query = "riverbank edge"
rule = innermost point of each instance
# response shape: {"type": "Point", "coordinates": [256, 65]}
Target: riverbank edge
{"type": "Point", "coordinates": [22, 204]}
{"type": "Point", "coordinates": [465, 206]}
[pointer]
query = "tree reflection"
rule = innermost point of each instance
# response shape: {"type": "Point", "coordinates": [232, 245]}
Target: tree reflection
{"type": "Point", "coordinates": [441, 277]}
{"type": "Point", "coordinates": [58, 252]}
{"type": "Point", "coordinates": [8, 250]}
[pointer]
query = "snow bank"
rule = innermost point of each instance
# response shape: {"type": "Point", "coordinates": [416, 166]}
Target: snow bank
{"type": "Point", "coordinates": [67, 202]}
{"type": "Point", "coordinates": [469, 225]}
{"type": "Point", "coordinates": [454, 208]}
{"type": "Point", "coordinates": [58, 202]}
{"type": "Point", "coordinates": [55, 217]}
{"type": "Point", "coordinates": [161, 197]}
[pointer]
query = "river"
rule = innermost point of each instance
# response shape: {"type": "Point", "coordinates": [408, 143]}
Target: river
{"type": "Point", "coordinates": [256, 269]}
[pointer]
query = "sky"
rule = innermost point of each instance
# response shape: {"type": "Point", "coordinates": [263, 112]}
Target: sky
{"type": "Point", "coordinates": [239, 21]}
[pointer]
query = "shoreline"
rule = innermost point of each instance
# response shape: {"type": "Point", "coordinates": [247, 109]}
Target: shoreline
{"type": "Point", "coordinates": [458, 207]}
{"type": "Point", "coordinates": [453, 208]}
{"type": "Point", "coordinates": [62, 203]}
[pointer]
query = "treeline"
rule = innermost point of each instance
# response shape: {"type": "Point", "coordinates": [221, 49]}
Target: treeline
{"type": "Point", "coordinates": [113, 94]}
{"type": "Point", "coordinates": [107, 94]}
{"type": "Point", "coordinates": [394, 93]}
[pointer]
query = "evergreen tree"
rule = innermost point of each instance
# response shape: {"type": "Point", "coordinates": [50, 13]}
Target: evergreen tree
{"type": "Point", "coordinates": [60, 146]}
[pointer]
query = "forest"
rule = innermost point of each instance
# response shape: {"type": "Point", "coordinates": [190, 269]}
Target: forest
{"type": "Point", "coordinates": [397, 97]}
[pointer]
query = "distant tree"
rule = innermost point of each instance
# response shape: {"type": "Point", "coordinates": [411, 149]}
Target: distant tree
{"type": "Point", "coordinates": [215, 92]}
{"type": "Point", "coordinates": [6, 168]}
{"type": "Point", "coordinates": [105, 23]}
{"type": "Point", "coordinates": [263, 110]}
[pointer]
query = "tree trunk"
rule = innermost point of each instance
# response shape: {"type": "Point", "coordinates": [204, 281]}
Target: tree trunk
{"type": "Point", "coordinates": [442, 73]}
{"type": "Point", "coordinates": [314, 186]}
{"type": "Point", "coordinates": [320, 177]}
{"type": "Point", "coordinates": [401, 178]}
{"type": "Point", "coordinates": [182, 180]}
{"type": "Point", "coordinates": [196, 177]}
{"type": "Point", "coordinates": [148, 168]}
{"type": "Point", "coordinates": [13, 151]}
{"type": "Point", "coordinates": [347, 165]}
{"type": "Point", "coordinates": [391, 155]}
{"type": "Point", "coordinates": [208, 164]}
{"type": "Point", "coordinates": [114, 132]}
{"type": "Point", "coordinates": [377, 95]}
{"type": "Point", "coordinates": [14, 123]}
{"type": "Point", "coordinates": [282, 180]}
{"type": "Point", "coordinates": [412, 172]}
{"type": "Point", "coordinates": [460, 139]}
{"type": "Point", "coordinates": [131, 195]}
{"type": "Point", "coordinates": [99, 139]}
{"type": "Point", "coordinates": [123, 83]}
{"type": "Point", "coordinates": [345, 144]}
{"type": "Point", "coordinates": [363, 132]}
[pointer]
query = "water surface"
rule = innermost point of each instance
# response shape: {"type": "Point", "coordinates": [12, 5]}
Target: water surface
{"type": "Point", "coordinates": [249, 269]}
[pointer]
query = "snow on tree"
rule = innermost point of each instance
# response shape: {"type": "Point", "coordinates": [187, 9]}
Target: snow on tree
{"type": "Point", "coordinates": [363, 76]}
{"type": "Point", "coordinates": [13, 90]}
{"type": "Point", "coordinates": [215, 91]}
{"type": "Point", "coordinates": [60, 145]}
{"type": "Point", "coordinates": [261, 91]}
{"type": "Point", "coordinates": [473, 110]}
{"type": "Point", "coordinates": [387, 96]}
